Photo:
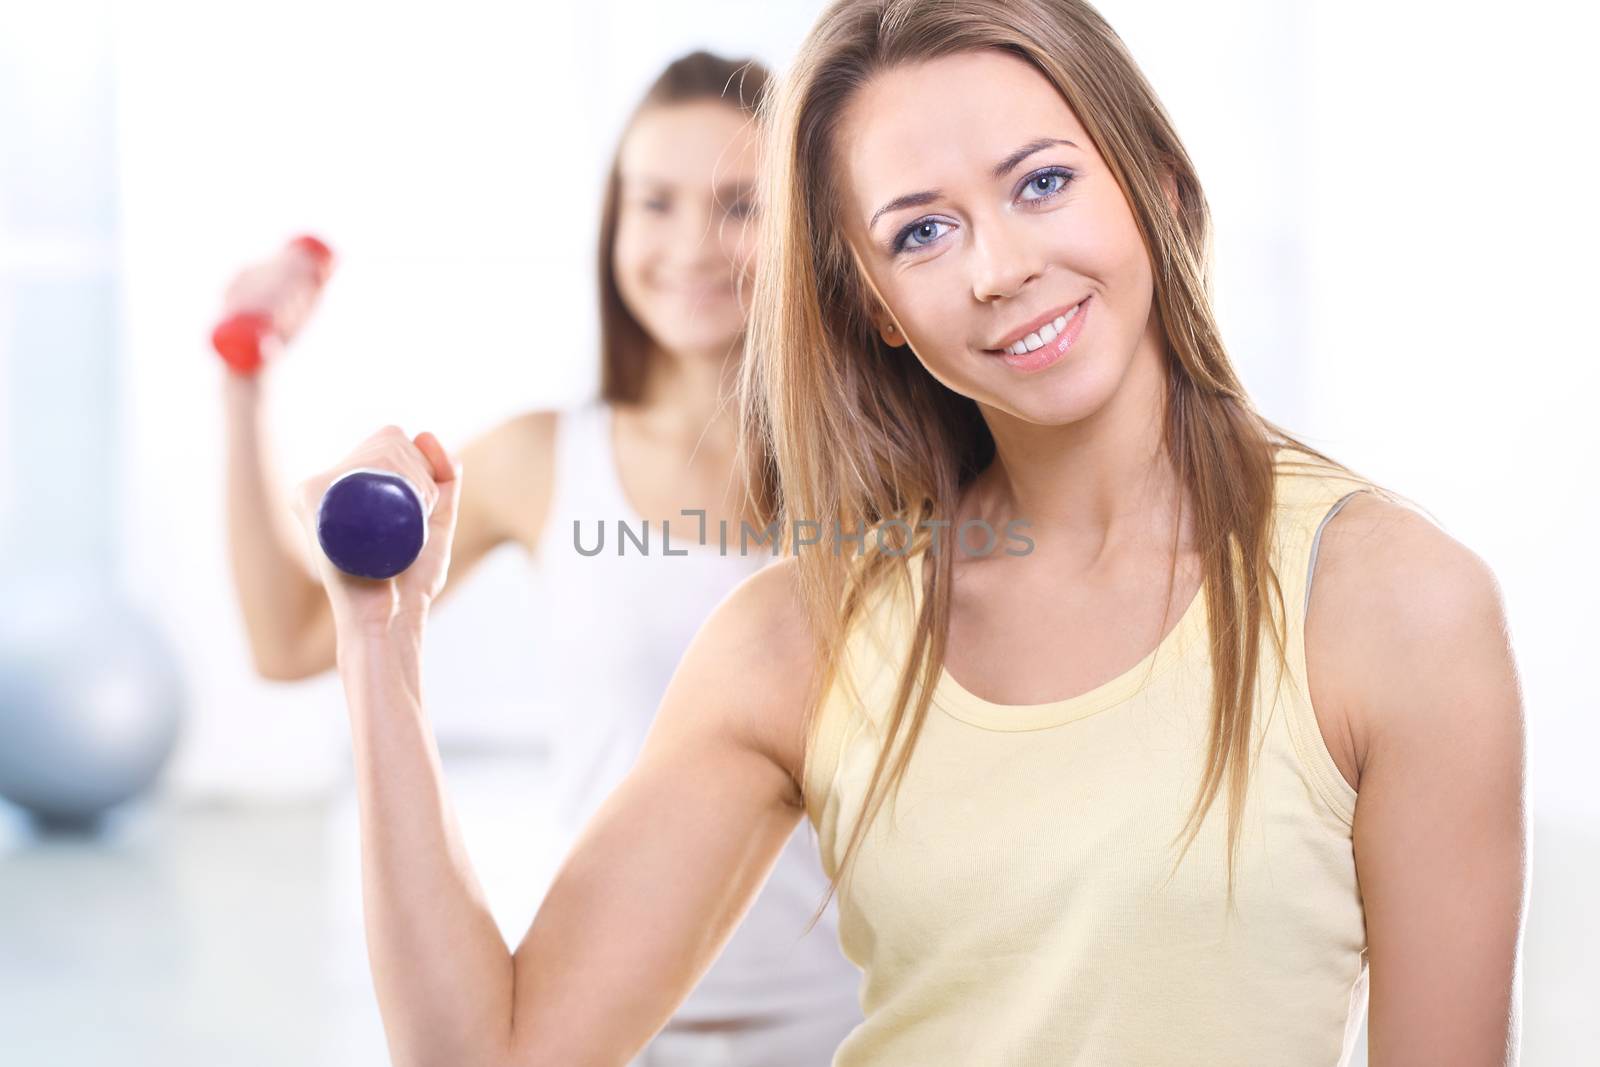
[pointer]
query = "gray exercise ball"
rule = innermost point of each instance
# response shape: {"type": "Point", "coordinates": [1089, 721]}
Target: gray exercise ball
{"type": "Point", "coordinates": [91, 699]}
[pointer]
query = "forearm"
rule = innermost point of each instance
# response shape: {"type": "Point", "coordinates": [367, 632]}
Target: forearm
{"type": "Point", "coordinates": [279, 597]}
{"type": "Point", "coordinates": [442, 971]}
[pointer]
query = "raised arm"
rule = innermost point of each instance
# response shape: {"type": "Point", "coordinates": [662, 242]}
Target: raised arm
{"type": "Point", "coordinates": [1409, 632]}
{"type": "Point", "coordinates": [656, 882]}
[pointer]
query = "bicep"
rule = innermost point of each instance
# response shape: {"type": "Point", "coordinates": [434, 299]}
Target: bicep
{"type": "Point", "coordinates": [1440, 830]}
{"type": "Point", "coordinates": [665, 870]}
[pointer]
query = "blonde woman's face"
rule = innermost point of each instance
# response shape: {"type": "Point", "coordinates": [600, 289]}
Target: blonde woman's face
{"type": "Point", "coordinates": [685, 223]}
{"type": "Point", "coordinates": [983, 216]}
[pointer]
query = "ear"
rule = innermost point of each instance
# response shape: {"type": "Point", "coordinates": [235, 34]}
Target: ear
{"type": "Point", "coordinates": [891, 334]}
{"type": "Point", "coordinates": [1169, 183]}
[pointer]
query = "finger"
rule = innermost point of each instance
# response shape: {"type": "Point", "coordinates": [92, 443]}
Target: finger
{"type": "Point", "coordinates": [271, 349]}
{"type": "Point", "coordinates": [391, 448]}
{"type": "Point", "coordinates": [438, 459]}
{"type": "Point", "coordinates": [404, 456]}
{"type": "Point", "coordinates": [443, 517]}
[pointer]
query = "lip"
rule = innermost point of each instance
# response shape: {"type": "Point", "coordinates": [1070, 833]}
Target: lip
{"type": "Point", "coordinates": [1033, 327]}
{"type": "Point", "coordinates": [1054, 351]}
{"type": "Point", "coordinates": [685, 284]}
{"type": "Point", "coordinates": [696, 292]}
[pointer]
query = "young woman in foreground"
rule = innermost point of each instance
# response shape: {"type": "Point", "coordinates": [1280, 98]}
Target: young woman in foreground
{"type": "Point", "coordinates": [675, 243]}
{"type": "Point", "coordinates": [1137, 770]}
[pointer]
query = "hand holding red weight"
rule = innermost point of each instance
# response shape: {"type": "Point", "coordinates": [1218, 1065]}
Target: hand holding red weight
{"type": "Point", "coordinates": [266, 304]}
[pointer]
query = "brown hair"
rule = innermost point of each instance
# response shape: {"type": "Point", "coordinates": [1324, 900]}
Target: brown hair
{"type": "Point", "coordinates": [836, 427]}
{"type": "Point", "coordinates": [624, 343]}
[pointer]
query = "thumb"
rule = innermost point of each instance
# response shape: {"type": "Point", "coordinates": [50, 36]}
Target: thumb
{"type": "Point", "coordinates": [442, 522]}
{"type": "Point", "coordinates": [438, 459]}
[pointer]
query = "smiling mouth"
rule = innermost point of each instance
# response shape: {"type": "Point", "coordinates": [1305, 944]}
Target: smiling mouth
{"type": "Point", "coordinates": [1043, 335]}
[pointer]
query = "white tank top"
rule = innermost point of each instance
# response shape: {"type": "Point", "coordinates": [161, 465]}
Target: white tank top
{"type": "Point", "coordinates": [610, 630]}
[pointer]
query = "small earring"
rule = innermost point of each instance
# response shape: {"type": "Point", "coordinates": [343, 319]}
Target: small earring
{"type": "Point", "coordinates": [891, 328]}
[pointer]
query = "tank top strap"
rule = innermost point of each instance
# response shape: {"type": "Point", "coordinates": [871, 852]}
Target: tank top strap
{"type": "Point", "coordinates": [590, 459]}
{"type": "Point", "coordinates": [1307, 495]}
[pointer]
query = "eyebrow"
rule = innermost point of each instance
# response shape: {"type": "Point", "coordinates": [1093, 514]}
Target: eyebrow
{"type": "Point", "coordinates": [1001, 169]}
{"type": "Point", "coordinates": [737, 187]}
{"type": "Point", "coordinates": [637, 178]}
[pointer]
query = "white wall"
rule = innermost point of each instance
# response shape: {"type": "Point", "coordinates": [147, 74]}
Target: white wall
{"type": "Point", "coordinates": [1452, 223]}
{"type": "Point", "coordinates": [1454, 277]}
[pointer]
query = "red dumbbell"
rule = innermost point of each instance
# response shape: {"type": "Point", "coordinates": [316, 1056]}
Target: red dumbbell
{"type": "Point", "coordinates": [271, 301]}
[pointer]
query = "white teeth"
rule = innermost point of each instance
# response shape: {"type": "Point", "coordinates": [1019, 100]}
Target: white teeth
{"type": "Point", "coordinates": [1047, 333]}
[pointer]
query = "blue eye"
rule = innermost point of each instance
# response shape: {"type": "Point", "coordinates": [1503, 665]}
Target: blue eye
{"type": "Point", "coordinates": [1046, 183]}
{"type": "Point", "coordinates": [919, 231]}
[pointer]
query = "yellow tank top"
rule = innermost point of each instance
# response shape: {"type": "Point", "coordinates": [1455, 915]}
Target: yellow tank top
{"type": "Point", "coordinates": [1009, 908]}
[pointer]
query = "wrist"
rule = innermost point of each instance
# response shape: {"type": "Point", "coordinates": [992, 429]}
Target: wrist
{"type": "Point", "coordinates": [380, 668]}
{"type": "Point", "coordinates": [242, 394]}
{"type": "Point", "coordinates": [401, 628]}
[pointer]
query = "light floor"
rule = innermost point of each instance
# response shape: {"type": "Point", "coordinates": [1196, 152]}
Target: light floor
{"type": "Point", "coordinates": [227, 936]}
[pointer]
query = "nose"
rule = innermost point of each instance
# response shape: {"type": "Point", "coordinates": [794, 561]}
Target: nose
{"type": "Point", "coordinates": [1003, 261]}
{"type": "Point", "coordinates": [695, 243]}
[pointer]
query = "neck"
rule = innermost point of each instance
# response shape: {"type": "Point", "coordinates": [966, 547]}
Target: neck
{"type": "Point", "coordinates": [1096, 486]}
{"type": "Point", "coordinates": [691, 392]}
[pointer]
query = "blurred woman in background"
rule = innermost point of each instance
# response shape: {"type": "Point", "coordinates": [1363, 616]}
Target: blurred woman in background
{"type": "Point", "coordinates": [674, 254]}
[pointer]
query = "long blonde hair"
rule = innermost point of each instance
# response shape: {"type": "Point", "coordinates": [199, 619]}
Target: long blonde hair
{"type": "Point", "coordinates": [842, 431]}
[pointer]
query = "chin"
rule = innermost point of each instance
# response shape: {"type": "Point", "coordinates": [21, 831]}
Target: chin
{"type": "Point", "coordinates": [1056, 402]}
{"type": "Point", "coordinates": [697, 338]}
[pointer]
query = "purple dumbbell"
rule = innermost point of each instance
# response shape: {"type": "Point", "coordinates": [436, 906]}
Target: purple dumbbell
{"type": "Point", "coordinates": [371, 523]}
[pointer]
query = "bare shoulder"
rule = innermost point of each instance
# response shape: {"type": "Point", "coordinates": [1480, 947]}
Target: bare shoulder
{"type": "Point", "coordinates": [1401, 614]}
{"type": "Point", "coordinates": [508, 473]}
{"type": "Point", "coordinates": [753, 659]}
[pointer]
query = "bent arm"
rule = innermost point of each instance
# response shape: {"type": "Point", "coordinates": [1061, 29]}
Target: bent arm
{"type": "Point", "coordinates": [279, 596]}
{"type": "Point", "coordinates": [440, 967]}
{"type": "Point", "coordinates": [650, 892]}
